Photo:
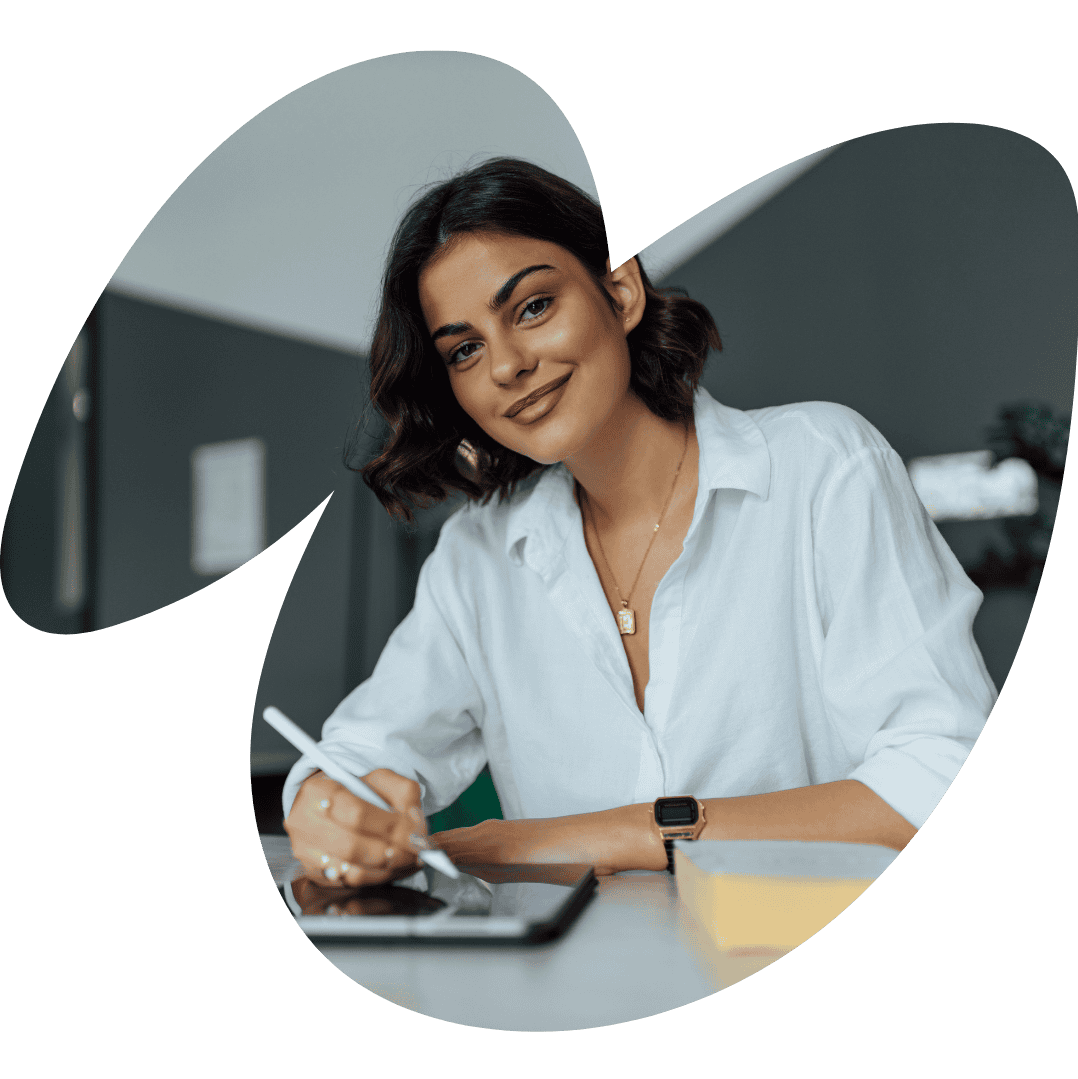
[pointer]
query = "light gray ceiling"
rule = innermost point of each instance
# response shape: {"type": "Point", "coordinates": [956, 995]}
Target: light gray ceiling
{"type": "Point", "coordinates": [285, 226]}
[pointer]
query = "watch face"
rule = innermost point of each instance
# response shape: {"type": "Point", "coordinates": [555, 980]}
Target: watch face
{"type": "Point", "coordinates": [671, 812]}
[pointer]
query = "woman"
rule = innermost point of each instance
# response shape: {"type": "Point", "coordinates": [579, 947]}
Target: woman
{"type": "Point", "coordinates": [648, 594]}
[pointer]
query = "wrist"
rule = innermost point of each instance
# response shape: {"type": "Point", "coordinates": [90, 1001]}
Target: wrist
{"type": "Point", "coordinates": [625, 838]}
{"type": "Point", "coordinates": [677, 818]}
{"type": "Point", "coordinates": [657, 855]}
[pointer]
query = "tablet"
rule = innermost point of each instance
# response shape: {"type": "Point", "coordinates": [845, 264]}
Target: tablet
{"type": "Point", "coordinates": [521, 904]}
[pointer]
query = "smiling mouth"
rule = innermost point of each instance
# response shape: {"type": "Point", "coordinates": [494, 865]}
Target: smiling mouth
{"type": "Point", "coordinates": [526, 402]}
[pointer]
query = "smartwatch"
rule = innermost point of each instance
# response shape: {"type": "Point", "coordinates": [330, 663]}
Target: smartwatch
{"type": "Point", "coordinates": [678, 818]}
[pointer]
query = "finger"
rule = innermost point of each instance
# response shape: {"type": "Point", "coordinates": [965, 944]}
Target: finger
{"type": "Point", "coordinates": [331, 876]}
{"type": "Point", "coordinates": [402, 794]}
{"type": "Point", "coordinates": [331, 811]}
{"type": "Point", "coordinates": [330, 798]}
{"type": "Point", "coordinates": [396, 868]}
{"type": "Point", "coordinates": [327, 819]}
{"type": "Point", "coordinates": [350, 862]}
{"type": "Point", "coordinates": [321, 845]}
{"type": "Point", "coordinates": [370, 852]}
{"type": "Point", "coordinates": [334, 874]}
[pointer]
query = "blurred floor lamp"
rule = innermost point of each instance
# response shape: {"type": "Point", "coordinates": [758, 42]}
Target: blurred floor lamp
{"type": "Point", "coordinates": [972, 487]}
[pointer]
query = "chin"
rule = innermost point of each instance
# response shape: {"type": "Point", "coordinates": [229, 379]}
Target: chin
{"type": "Point", "coordinates": [552, 451]}
{"type": "Point", "coordinates": [545, 458]}
{"type": "Point", "coordinates": [561, 435]}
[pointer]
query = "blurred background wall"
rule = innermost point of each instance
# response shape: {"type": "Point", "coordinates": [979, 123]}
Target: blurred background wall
{"type": "Point", "coordinates": [926, 277]}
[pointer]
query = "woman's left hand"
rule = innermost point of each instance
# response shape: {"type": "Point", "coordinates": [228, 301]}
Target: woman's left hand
{"type": "Point", "coordinates": [611, 840]}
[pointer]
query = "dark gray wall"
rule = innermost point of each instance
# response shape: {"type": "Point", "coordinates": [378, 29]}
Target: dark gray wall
{"type": "Point", "coordinates": [171, 381]}
{"type": "Point", "coordinates": [922, 276]}
{"type": "Point", "coordinates": [49, 513]}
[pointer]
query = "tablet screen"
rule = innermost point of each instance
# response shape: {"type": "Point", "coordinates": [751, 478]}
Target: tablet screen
{"type": "Point", "coordinates": [486, 902]}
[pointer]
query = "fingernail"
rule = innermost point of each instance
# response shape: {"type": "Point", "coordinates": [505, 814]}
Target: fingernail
{"type": "Point", "coordinates": [416, 814]}
{"type": "Point", "coordinates": [419, 842]}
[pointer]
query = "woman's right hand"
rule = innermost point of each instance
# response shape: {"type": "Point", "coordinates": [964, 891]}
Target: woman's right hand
{"type": "Point", "coordinates": [342, 841]}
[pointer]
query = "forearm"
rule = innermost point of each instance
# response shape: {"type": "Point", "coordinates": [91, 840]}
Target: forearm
{"type": "Point", "coordinates": [842, 812]}
{"type": "Point", "coordinates": [625, 838]}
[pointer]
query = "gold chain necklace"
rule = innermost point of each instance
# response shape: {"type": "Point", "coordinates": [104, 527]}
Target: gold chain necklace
{"type": "Point", "coordinates": [626, 617]}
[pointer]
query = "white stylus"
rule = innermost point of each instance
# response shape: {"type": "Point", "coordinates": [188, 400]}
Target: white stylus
{"type": "Point", "coordinates": [436, 859]}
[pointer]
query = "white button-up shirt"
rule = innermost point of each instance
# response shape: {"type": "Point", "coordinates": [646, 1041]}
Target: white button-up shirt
{"type": "Point", "coordinates": [815, 627]}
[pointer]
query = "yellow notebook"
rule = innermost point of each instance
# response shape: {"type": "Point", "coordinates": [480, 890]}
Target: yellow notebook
{"type": "Point", "coordinates": [763, 894]}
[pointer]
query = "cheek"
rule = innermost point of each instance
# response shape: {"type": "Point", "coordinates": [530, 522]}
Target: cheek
{"type": "Point", "coordinates": [590, 336]}
{"type": "Point", "coordinates": [480, 404]}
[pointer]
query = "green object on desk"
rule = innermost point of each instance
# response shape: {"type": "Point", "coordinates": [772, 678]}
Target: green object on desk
{"type": "Point", "coordinates": [478, 803]}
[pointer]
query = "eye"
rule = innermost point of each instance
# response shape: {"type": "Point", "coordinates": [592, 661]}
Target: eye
{"type": "Point", "coordinates": [459, 354]}
{"type": "Point", "coordinates": [534, 308]}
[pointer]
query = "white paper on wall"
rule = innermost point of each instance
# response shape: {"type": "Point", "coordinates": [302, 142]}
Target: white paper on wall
{"type": "Point", "coordinates": [228, 482]}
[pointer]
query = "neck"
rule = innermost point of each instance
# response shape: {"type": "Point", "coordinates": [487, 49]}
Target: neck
{"type": "Point", "coordinates": [627, 468]}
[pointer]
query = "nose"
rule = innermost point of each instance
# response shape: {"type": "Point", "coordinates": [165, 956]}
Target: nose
{"type": "Point", "coordinates": [509, 361]}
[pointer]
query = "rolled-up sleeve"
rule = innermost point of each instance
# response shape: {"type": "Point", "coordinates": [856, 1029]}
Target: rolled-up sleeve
{"type": "Point", "coordinates": [420, 712]}
{"type": "Point", "coordinates": [904, 683]}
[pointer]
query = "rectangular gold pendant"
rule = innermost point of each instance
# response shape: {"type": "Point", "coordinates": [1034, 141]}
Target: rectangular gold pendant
{"type": "Point", "coordinates": [626, 621]}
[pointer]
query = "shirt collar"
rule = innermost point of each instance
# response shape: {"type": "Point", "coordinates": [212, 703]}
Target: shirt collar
{"type": "Point", "coordinates": [733, 454]}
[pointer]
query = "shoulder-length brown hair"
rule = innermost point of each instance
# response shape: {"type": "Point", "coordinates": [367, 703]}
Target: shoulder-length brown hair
{"type": "Point", "coordinates": [434, 447]}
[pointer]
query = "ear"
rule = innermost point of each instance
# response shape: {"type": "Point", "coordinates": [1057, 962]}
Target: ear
{"type": "Point", "coordinates": [625, 285]}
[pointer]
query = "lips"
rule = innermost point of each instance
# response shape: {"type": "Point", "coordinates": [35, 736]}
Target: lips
{"type": "Point", "coordinates": [536, 395]}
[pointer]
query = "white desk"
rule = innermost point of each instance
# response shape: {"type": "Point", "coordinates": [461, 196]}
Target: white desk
{"type": "Point", "coordinates": [634, 951]}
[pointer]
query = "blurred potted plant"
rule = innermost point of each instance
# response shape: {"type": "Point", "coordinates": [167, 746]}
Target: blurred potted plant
{"type": "Point", "coordinates": [1035, 434]}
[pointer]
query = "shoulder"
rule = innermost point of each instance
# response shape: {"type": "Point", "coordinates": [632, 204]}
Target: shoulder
{"type": "Point", "coordinates": [818, 440]}
{"type": "Point", "coordinates": [818, 448]}
{"type": "Point", "coordinates": [481, 531]}
{"type": "Point", "coordinates": [818, 430]}
{"type": "Point", "coordinates": [471, 532]}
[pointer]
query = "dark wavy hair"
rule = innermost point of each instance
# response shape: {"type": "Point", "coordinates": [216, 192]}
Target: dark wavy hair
{"type": "Point", "coordinates": [433, 447]}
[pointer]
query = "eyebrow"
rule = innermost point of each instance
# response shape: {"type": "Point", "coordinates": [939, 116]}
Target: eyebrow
{"type": "Point", "coordinates": [500, 298]}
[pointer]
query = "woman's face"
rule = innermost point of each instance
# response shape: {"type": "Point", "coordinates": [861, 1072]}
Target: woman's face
{"type": "Point", "coordinates": [536, 355]}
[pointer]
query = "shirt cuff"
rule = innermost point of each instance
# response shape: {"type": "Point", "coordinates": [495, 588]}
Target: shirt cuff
{"type": "Point", "coordinates": [299, 772]}
{"type": "Point", "coordinates": [913, 778]}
